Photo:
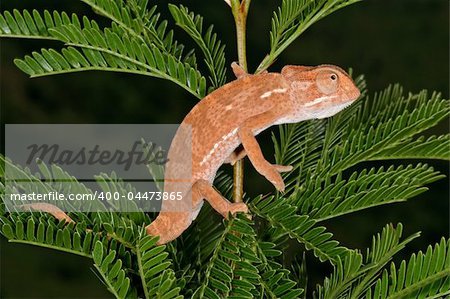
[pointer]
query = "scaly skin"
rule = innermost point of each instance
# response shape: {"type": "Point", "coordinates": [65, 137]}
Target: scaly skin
{"type": "Point", "coordinates": [232, 115]}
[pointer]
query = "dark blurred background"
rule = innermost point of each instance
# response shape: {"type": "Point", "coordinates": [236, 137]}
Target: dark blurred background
{"type": "Point", "coordinates": [389, 41]}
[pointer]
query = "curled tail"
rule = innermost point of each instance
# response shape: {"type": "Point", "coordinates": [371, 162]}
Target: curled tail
{"type": "Point", "coordinates": [169, 225]}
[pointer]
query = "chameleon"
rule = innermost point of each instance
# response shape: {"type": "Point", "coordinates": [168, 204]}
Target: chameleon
{"type": "Point", "coordinates": [231, 116]}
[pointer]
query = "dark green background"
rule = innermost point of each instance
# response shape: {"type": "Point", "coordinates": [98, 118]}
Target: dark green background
{"type": "Point", "coordinates": [389, 41]}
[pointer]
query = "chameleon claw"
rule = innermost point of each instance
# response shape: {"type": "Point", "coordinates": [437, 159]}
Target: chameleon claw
{"type": "Point", "coordinates": [280, 187]}
{"type": "Point", "coordinates": [277, 181]}
{"type": "Point", "coordinates": [272, 174]}
{"type": "Point", "coordinates": [238, 207]}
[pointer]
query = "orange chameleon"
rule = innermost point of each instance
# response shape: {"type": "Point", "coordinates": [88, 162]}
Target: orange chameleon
{"type": "Point", "coordinates": [232, 115]}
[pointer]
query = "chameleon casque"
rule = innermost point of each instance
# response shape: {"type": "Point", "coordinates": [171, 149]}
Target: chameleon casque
{"type": "Point", "coordinates": [232, 115]}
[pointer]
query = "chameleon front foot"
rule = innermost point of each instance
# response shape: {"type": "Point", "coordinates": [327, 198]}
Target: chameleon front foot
{"type": "Point", "coordinates": [272, 174]}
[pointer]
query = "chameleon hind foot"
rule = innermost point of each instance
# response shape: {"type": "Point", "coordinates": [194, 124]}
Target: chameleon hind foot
{"type": "Point", "coordinates": [237, 207]}
{"type": "Point", "coordinates": [205, 190]}
{"type": "Point", "coordinates": [238, 71]}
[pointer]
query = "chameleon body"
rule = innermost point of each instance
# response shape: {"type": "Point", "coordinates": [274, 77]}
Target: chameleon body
{"type": "Point", "coordinates": [232, 115]}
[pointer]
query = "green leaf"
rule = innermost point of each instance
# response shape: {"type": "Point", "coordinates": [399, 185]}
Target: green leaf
{"type": "Point", "coordinates": [323, 200]}
{"type": "Point", "coordinates": [120, 54]}
{"type": "Point", "coordinates": [112, 271]}
{"type": "Point", "coordinates": [97, 254]}
{"type": "Point", "coordinates": [351, 277]}
{"type": "Point", "coordinates": [370, 129]}
{"type": "Point", "coordinates": [7, 231]}
{"type": "Point", "coordinates": [239, 279]}
{"type": "Point", "coordinates": [292, 19]}
{"type": "Point", "coordinates": [211, 46]}
{"type": "Point", "coordinates": [105, 264]}
{"type": "Point", "coordinates": [300, 227]}
{"type": "Point", "coordinates": [30, 229]}
{"type": "Point", "coordinates": [115, 270]}
{"type": "Point", "coordinates": [137, 21]}
{"type": "Point", "coordinates": [31, 25]}
{"type": "Point", "coordinates": [157, 277]}
{"type": "Point", "coordinates": [24, 67]}
{"type": "Point", "coordinates": [104, 50]}
{"type": "Point", "coordinates": [433, 147]}
{"type": "Point", "coordinates": [426, 276]}
{"type": "Point", "coordinates": [19, 230]}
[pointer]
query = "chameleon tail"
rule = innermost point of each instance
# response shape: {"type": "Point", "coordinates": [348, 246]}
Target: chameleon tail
{"type": "Point", "coordinates": [48, 208]}
{"type": "Point", "coordinates": [169, 225]}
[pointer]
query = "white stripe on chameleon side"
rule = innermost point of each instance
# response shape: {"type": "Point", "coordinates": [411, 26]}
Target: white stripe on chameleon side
{"type": "Point", "coordinates": [216, 145]}
{"type": "Point", "coordinates": [319, 100]}
{"type": "Point", "coordinates": [269, 93]}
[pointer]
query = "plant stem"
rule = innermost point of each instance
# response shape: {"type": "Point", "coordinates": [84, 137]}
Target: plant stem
{"type": "Point", "coordinates": [238, 181]}
{"type": "Point", "coordinates": [141, 272]}
{"type": "Point", "coordinates": [240, 12]}
{"type": "Point", "coordinates": [73, 251]}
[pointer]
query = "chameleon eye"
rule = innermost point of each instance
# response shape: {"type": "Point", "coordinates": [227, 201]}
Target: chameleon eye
{"type": "Point", "coordinates": [327, 82]}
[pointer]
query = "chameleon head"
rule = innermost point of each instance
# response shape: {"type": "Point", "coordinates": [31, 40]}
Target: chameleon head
{"type": "Point", "coordinates": [321, 91]}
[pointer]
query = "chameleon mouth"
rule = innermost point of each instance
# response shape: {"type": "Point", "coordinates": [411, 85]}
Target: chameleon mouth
{"type": "Point", "coordinates": [349, 103]}
{"type": "Point", "coordinates": [345, 105]}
